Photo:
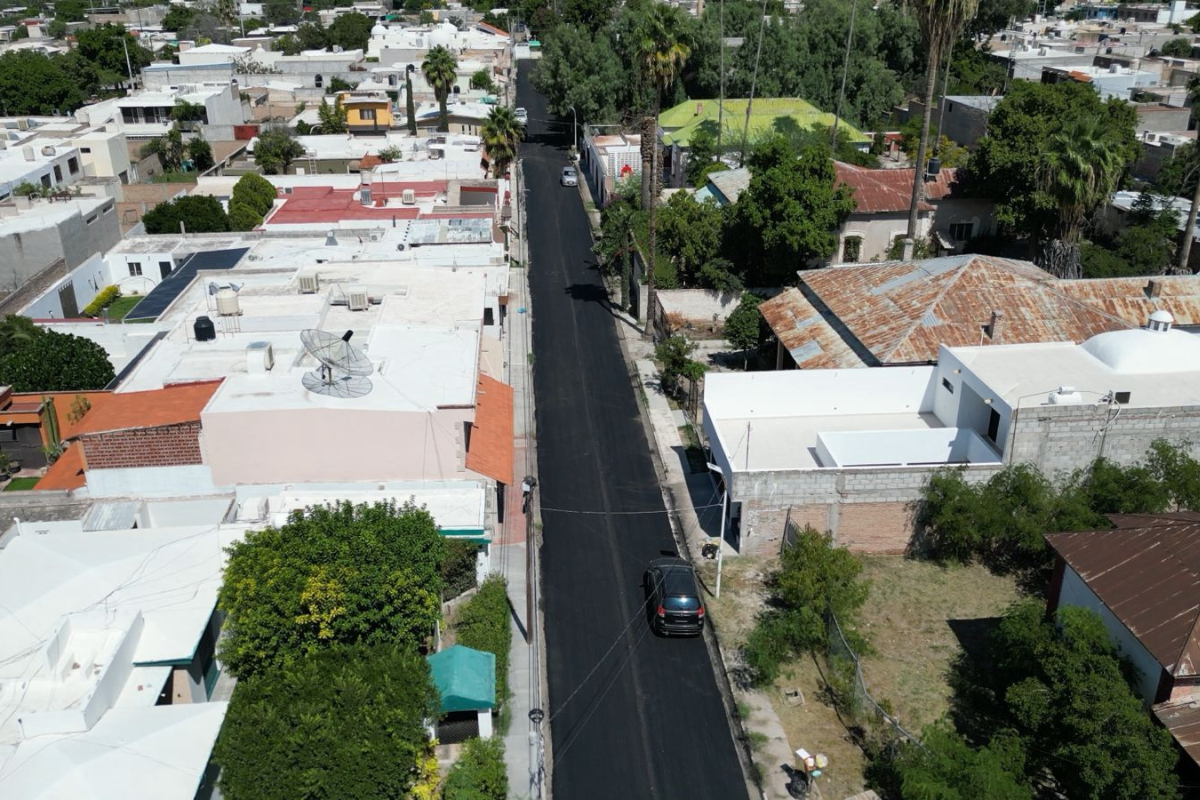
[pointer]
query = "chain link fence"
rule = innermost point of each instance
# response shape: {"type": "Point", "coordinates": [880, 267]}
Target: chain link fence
{"type": "Point", "coordinates": [872, 723]}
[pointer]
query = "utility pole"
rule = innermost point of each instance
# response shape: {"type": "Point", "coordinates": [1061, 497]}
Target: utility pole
{"type": "Point", "coordinates": [837, 116]}
{"type": "Point", "coordinates": [721, 101]}
{"type": "Point", "coordinates": [128, 65]}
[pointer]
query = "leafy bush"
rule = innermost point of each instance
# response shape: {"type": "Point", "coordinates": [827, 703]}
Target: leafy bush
{"type": "Point", "coordinates": [482, 623]}
{"type": "Point", "coordinates": [242, 217]}
{"type": "Point", "coordinates": [332, 574]}
{"type": "Point", "coordinates": [103, 300]}
{"type": "Point", "coordinates": [255, 192]}
{"type": "Point", "coordinates": [49, 361]}
{"type": "Point", "coordinates": [815, 579]}
{"type": "Point", "coordinates": [675, 355]}
{"type": "Point", "coordinates": [479, 773]}
{"type": "Point", "coordinates": [347, 722]}
{"type": "Point", "coordinates": [458, 568]}
{"type": "Point", "coordinates": [198, 213]}
{"type": "Point", "coordinates": [744, 328]}
{"type": "Point", "coordinates": [946, 766]}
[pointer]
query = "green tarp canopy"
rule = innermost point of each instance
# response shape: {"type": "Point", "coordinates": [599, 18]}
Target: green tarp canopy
{"type": "Point", "coordinates": [465, 678]}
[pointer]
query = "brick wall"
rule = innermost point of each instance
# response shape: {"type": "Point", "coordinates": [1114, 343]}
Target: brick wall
{"type": "Point", "coordinates": [167, 446]}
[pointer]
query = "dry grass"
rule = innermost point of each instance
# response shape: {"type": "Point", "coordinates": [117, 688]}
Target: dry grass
{"type": "Point", "coordinates": [908, 619]}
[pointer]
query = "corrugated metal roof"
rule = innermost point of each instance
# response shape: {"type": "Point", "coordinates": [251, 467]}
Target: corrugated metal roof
{"type": "Point", "coordinates": [113, 516]}
{"type": "Point", "coordinates": [1182, 719]}
{"type": "Point", "coordinates": [802, 331]}
{"type": "Point", "coordinates": [889, 191]}
{"type": "Point", "coordinates": [1149, 578]}
{"type": "Point", "coordinates": [1129, 298]}
{"type": "Point", "coordinates": [902, 310]}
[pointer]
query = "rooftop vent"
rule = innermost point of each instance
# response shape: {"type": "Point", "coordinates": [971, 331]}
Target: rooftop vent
{"type": "Point", "coordinates": [260, 358]}
{"type": "Point", "coordinates": [995, 326]}
{"type": "Point", "coordinates": [1160, 321]}
{"type": "Point", "coordinates": [330, 240]}
{"type": "Point", "coordinates": [408, 197]}
{"type": "Point", "coordinates": [309, 282]}
{"type": "Point", "coordinates": [1154, 289]}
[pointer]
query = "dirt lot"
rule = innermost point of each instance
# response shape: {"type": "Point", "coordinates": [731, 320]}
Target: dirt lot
{"type": "Point", "coordinates": [913, 618]}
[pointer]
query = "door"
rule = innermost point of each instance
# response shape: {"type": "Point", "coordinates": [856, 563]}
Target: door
{"type": "Point", "coordinates": [66, 298]}
{"type": "Point", "coordinates": [164, 269]}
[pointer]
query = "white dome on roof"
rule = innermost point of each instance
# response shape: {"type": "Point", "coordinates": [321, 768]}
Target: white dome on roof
{"type": "Point", "coordinates": [1146, 351]}
{"type": "Point", "coordinates": [379, 30]}
{"type": "Point", "coordinates": [443, 35]}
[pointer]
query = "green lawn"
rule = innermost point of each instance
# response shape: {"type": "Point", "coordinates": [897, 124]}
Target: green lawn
{"type": "Point", "coordinates": [21, 484]}
{"type": "Point", "coordinates": [123, 305]}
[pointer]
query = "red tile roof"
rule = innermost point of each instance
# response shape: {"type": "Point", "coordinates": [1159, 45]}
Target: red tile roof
{"type": "Point", "coordinates": [321, 204]}
{"type": "Point", "coordinates": [66, 473]}
{"type": "Point", "coordinates": [171, 405]}
{"type": "Point", "coordinates": [491, 445]}
{"type": "Point", "coordinates": [889, 191]}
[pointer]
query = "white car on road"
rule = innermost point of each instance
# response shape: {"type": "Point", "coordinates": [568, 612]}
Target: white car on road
{"type": "Point", "coordinates": [569, 177]}
{"type": "Point", "coordinates": [522, 116]}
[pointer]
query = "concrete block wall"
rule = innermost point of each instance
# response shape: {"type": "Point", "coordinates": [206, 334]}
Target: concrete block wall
{"type": "Point", "coordinates": [1062, 439]}
{"type": "Point", "coordinates": [166, 446]}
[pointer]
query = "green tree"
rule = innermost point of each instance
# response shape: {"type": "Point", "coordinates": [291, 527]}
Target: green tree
{"type": "Point", "coordinates": [582, 72]}
{"type": "Point", "coordinates": [177, 18]}
{"type": "Point", "coordinates": [312, 36]}
{"type": "Point", "coordinates": [662, 50]}
{"type": "Point", "coordinates": [945, 767]}
{"type": "Point", "coordinates": [996, 15]}
{"type": "Point", "coordinates": [275, 150]}
{"type": "Point", "coordinates": [501, 133]}
{"type": "Point", "coordinates": [788, 216]}
{"type": "Point", "coordinates": [391, 154]}
{"type": "Point", "coordinates": [187, 112]}
{"type": "Point", "coordinates": [347, 721]}
{"type": "Point", "coordinates": [1008, 163]}
{"type": "Point", "coordinates": [744, 326]}
{"type": "Point", "coordinates": [482, 80]}
{"type": "Point", "coordinates": [351, 31]}
{"type": "Point", "coordinates": [718, 274]}
{"type": "Point", "coordinates": [615, 246]}
{"type": "Point", "coordinates": [702, 155]}
{"type": "Point", "coordinates": [334, 574]}
{"type": "Point", "coordinates": [333, 116]}
{"type": "Point", "coordinates": [1081, 167]}
{"type": "Point", "coordinates": [675, 356]}
{"type": "Point", "coordinates": [105, 46]}
{"type": "Point", "coordinates": [814, 579]}
{"type": "Point", "coordinates": [200, 151]}
{"type": "Point", "coordinates": [282, 12]}
{"type": "Point", "coordinates": [479, 773]}
{"type": "Point", "coordinates": [255, 192]}
{"type": "Point", "coordinates": [1177, 48]}
{"type": "Point", "coordinates": [689, 233]}
{"type": "Point", "coordinates": [287, 44]}
{"type": "Point", "coordinates": [1066, 691]}
{"type": "Point", "coordinates": [70, 10]}
{"type": "Point", "coordinates": [941, 22]}
{"type": "Point", "coordinates": [49, 361]}
{"type": "Point", "coordinates": [198, 214]}
{"type": "Point", "coordinates": [973, 71]}
{"type": "Point", "coordinates": [440, 69]}
{"type": "Point", "coordinates": [483, 623]}
{"type": "Point", "coordinates": [33, 83]}
{"type": "Point", "coordinates": [57, 29]}
{"type": "Point", "coordinates": [242, 217]}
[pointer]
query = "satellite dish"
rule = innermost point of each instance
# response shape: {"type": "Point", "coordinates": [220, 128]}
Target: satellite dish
{"type": "Point", "coordinates": [343, 367]}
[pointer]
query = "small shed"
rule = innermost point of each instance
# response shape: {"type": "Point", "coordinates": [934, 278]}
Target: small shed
{"type": "Point", "coordinates": [466, 681]}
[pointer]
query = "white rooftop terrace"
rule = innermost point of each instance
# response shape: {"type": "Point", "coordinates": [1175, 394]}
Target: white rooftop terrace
{"type": "Point", "coordinates": [43, 214]}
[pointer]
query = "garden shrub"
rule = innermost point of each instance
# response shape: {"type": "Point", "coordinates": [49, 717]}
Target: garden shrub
{"type": "Point", "coordinates": [107, 296]}
{"type": "Point", "coordinates": [482, 623]}
{"type": "Point", "coordinates": [458, 568]}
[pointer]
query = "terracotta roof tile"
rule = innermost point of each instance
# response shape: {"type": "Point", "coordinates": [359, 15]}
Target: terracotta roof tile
{"type": "Point", "coordinates": [171, 405]}
{"type": "Point", "coordinates": [901, 311]}
{"type": "Point", "coordinates": [66, 473]}
{"type": "Point", "coordinates": [1149, 578]}
{"type": "Point", "coordinates": [491, 445]}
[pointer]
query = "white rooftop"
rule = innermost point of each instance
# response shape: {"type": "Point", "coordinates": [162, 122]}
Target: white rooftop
{"type": "Point", "coordinates": [44, 214]}
{"type": "Point", "coordinates": [456, 506]}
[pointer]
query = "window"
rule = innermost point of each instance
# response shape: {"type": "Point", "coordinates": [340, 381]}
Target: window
{"type": "Point", "coordinates": [73, 165]}
{"type": "Point", "coordinates": [962, 231]}
{"type": "Point", "coordinates": [318, 81]}
{"type": "Point", "coordinates": [85, 150]}
{"type": "Point", "coordinates": [45, 181]}
{"type": "Point", "coordinates": [851, 249]}
{"type": "Point", "coordinates": [92, 218]}
{"type": "Point", "coordinates": [993, 425]}
{"type": "Point", "coordinates": [947, 385]}
{"type": "Point", "coordinates": [135, 269]}
{"type": "Point", "coordinates": [164, 268]}
{"type": "Point", "coordinates": [488, 317]}
{"type": "Point", "coordinates": [367, 114]}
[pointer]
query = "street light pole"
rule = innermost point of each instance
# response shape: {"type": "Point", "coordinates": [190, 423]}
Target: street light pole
{"type": "Point", "coordinates": [721, 535]}
{"type": "Point", "coordinates": [574, 129]}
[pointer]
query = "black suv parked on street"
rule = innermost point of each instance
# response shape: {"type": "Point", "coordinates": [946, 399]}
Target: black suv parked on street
{"type": "Point", "coordinates": [673, 598]}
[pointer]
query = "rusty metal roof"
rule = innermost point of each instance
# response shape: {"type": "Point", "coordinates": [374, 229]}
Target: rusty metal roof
{"type": "Point", "coordinates": [1149, 578]}
{"type": "Point", "coordinates": [1152, 520]}
{"type": "Point", "coordinates": [889, 191]}
{"type": "Point", "coordinates": [900, 311]}
{"type": "Point", "coordinates": [1129, 299]}
{"type": "Point", "coordinates": [1182, 719]}
{"type": "Point", "coordinates": [803, 332]}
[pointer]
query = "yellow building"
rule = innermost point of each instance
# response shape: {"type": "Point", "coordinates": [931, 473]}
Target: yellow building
{"type": "Point", "coordinates": [367, 112]}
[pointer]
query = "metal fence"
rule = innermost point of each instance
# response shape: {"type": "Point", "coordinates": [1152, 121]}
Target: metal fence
{"type": "Point", "coordinates": [871, 722]}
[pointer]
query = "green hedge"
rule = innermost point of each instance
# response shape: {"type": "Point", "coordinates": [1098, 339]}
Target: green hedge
{"type": "Point", "coordinates": [106, 298]}
{"type": "Point", "coordinates": [458, 568]}
{"type": "Point", "coordinates": [482, 623]}
{"type": "Point", "coordinates": [479, 774]}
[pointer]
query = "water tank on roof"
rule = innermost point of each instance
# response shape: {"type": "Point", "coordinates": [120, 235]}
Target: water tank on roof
{"type": "Point", "coordinates": [27, 151]}
{"type": "Point", "coordinates": [227, 302]}
{"type": "Point", "coordinates": [204, 329]}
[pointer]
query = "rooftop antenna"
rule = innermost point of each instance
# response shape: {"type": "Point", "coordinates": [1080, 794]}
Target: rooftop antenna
{"type": "Point", "coordinates": [342, 368]}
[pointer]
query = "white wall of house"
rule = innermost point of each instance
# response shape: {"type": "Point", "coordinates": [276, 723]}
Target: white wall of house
{"type": "Point", "coordinates": [960, 399]}
{"type": "Point", "coordinates": [183, 481]}
{"type": "Point", "coordinates": [88, 279]}
{"type": "Point", "coordinates": [1075, 592]}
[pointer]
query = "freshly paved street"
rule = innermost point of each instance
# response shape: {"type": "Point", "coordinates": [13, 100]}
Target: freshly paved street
{"type": "Point", "coordinates": [632, 715]}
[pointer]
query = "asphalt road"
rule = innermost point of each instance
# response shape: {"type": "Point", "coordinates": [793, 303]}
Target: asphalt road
{"type": "Point", "coordinates": [632, 715]}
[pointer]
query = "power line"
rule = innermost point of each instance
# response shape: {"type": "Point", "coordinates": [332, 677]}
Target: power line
{"type": "Point", "coordinates": [624, 513]}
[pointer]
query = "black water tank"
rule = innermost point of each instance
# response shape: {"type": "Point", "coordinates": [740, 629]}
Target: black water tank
{"type": "Point", "coordinates": [204, 329]}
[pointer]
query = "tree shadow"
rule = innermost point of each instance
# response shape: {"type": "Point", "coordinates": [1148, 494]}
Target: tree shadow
{"type": "Point", "coordinates": [974, 702]}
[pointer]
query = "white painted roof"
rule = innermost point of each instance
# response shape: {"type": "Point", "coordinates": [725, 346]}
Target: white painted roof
{"type": "Point", "coordinates": [130, 754]}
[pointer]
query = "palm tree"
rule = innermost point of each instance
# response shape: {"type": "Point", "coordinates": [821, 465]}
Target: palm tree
{"type": "Point", "coordinates": [1080, 169]}
{"type": "Point", "coordinates": [410, 106]}
{"type": "Point", "coordinates": [440, 68]}
{"type": "Point", "coordinates": [501, 132]}
{"type": "Point", "coordinates": [1185, 247]}
{"type": "Point", "coordinates": [662, 49]}
{"type": "Point", "coordinates": [941, 22]}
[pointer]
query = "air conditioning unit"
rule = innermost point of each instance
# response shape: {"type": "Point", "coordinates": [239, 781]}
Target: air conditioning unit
{"type": "Point", "coordinates": [22, 124]}
{"type": "Point", "coordinates": [376, 236]}
{"type": "Point", "coordinates": [357, 298]}
{"type": "Point", "coordinates": [260, 358]}
{"type": "Point", "coordinates": [365, 195]}
{"type": "Point", "coordinates": [309, 283]}
{"type": "Point", "coordinates": [408, 197]}
{"type": "Point", "coordinates": [288, 189]}
{"type": "Point", "coordinates": [48, 150]}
